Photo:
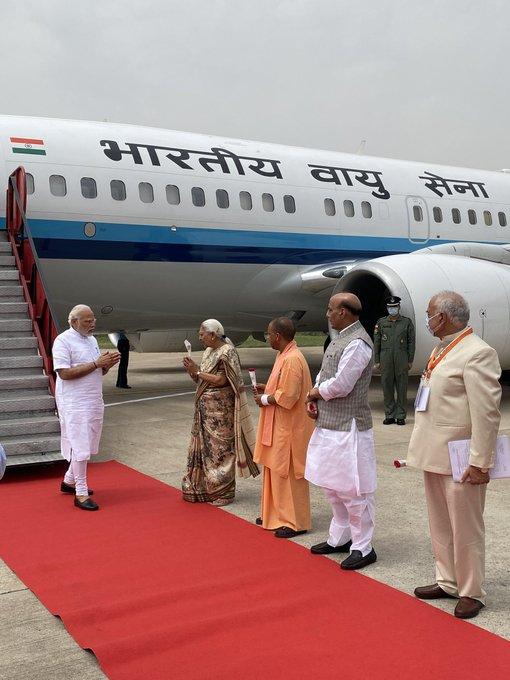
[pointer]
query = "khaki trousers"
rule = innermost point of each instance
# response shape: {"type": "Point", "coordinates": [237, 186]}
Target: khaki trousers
{"type": "Point", "coordinates": [457, 532]}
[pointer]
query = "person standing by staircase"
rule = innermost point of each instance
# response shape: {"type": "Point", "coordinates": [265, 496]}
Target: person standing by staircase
{"type": "Point", "coordinates": [79, 395]}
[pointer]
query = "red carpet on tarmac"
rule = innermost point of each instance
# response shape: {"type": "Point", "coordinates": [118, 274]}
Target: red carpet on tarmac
{"type": "Point", "coordinates": [161, 589]}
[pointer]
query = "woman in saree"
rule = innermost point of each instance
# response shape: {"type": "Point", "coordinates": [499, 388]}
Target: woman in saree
{"type": "Point", "coordinates": [222, 435]}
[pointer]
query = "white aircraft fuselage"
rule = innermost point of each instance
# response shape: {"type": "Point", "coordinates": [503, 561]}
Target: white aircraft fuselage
{"type": "Point", "coordinates": [158, 230]}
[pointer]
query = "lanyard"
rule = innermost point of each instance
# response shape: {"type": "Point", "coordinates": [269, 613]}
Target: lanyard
{"type": "Point", "coordinates": [434, 360]}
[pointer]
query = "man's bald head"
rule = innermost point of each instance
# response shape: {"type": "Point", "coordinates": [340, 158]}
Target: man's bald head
{"type": "Point", "coordinates": [343, 310]}
{"type": "Point", "coordinates": [350, 301]}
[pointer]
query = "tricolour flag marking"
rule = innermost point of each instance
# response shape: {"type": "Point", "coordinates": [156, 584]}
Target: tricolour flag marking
{"type": "Point", "coordinates": [28, 145]}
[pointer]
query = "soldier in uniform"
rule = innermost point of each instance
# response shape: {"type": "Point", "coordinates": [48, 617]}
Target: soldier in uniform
{"type": "Point", "coordinates": [394, 354]}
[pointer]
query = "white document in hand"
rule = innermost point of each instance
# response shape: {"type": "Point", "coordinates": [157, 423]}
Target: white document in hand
{"type": "Point", "coordinates": [459, 458]}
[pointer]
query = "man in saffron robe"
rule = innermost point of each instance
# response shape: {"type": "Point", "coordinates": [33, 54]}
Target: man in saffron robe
{"type": "Point", "coordinates": [283, 433]}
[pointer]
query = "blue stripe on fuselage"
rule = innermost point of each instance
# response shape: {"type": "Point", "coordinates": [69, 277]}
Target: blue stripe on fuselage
{"type": "Point", "coordinates": [146, 243]}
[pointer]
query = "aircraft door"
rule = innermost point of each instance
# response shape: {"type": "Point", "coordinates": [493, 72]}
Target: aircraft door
{"type": "Point", "coordinates": [418, 220]}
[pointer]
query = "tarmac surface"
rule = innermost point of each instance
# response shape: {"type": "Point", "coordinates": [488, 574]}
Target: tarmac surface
{"type": "Point", "coordinates": [148, 427]}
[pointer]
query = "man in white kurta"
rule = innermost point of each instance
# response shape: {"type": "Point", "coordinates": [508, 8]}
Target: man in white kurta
{"type": "Point", "coordinates": [341, 453]}
{"type": "Point", "coordinates": [79, 395]}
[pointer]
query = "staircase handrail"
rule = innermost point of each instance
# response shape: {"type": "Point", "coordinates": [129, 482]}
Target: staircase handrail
{"type": "Point", "coordinates": [31, 277]}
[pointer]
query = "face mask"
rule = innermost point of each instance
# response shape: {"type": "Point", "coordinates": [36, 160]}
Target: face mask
{"type": "Point", "coordinates": [427, 322]}
{"type": "Point", "coordinates": [392, 311]}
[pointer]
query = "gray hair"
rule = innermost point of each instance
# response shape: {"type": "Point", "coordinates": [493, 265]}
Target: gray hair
{"type": "Point", "coordinates": [76, 311]}
{"type": "Point", "coordinates": [454, 306]}
{"type": "Point", "coordinates": [214, 326]}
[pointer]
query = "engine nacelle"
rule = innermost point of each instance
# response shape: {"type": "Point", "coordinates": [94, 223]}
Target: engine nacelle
{"type": "Point", "coordinates": [417, 277]}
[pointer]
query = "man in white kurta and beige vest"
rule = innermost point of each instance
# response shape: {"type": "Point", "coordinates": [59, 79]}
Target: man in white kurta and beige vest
{"type": "Point", "coordinates": [458, 399]}
{"type": "Point", "coordinates": [341, 453]}
{"type": "Point", "coordinates": [283, 434]}
{"type": "Point", "coordinates": [79, 395]}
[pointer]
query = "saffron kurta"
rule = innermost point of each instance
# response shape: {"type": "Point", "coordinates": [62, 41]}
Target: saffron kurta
{"type": "Point", "coordinates": [80, 401]}
{"type": "Point", "coordinates": [282, 439]}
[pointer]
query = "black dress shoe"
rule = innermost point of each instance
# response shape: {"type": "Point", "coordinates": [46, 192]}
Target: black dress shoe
{"type": "Point", "coordinates": [433, 592]}
{"type": "Point", "coordinates": [388, 421]}
{"type": "Point", "coordinates": [87, 504]}
{"type": "Point", "coordinates": [401, 421]}
{"type": "Point", "coordinates": [259, 521]}
{"type": "Point", "coordinates": [467, 608]}
{"type": "Point", "coordinates": [326, 549]}
{"type": "Point", "coordinates": [287, 532]}
{"type": "Point", "coordinates": [123, 387]}
{"type": "Point", "coordinates": [67, 488]}
{"type": "Point", "coordinates": [357, 561]}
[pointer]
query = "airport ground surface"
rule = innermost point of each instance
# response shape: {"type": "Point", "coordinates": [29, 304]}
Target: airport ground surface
{"type": "Point", "coordinates": [148, 428]}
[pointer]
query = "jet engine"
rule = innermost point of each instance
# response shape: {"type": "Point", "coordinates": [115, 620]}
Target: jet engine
{"type": "Point", "coordinates": [484, 283]}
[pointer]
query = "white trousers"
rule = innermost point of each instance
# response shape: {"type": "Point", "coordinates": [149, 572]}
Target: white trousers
{"type": "Point", "coordinates": [353, 519]}
{"type": "Point", "coordinates": [76, 476]}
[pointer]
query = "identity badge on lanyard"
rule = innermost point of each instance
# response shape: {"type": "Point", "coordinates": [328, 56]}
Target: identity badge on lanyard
{"type": "Point", "coordinates": [422, 396]}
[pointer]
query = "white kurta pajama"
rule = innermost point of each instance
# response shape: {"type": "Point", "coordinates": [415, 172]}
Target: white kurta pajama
{"type": "Point", "coordinates": [343, 463]}
{"type": "Point", "coordinates": [80, 400]}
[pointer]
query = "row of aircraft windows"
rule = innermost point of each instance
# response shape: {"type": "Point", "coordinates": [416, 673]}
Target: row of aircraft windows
{"type": "Point", "coordinates": [58, 187]}
{"type": "Point", "coordinates": [457, 216]}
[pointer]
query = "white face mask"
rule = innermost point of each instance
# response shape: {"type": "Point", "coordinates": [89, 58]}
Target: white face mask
{"type": "Point", "coordinates": [427, 322]}
{"type": "Point", "coordinates": [392, 311]}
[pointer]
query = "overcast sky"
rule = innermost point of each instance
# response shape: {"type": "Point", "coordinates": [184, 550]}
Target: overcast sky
{"type": "Point", "coordinates": [417, 80]}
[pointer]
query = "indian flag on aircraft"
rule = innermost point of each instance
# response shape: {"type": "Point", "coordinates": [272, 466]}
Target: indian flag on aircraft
{"type": "Point", "coordinates": [25, 145]}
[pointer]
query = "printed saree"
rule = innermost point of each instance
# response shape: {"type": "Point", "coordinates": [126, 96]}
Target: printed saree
{"type": "Point", "coordinates": [222, 434]}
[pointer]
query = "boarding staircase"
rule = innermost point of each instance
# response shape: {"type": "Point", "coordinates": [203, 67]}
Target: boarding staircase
{"type": "Point", "coordinates": [29, 426]}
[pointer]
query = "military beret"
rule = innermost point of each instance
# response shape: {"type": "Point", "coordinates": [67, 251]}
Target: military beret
{"type": "Point", "coordinates": [392, 301]}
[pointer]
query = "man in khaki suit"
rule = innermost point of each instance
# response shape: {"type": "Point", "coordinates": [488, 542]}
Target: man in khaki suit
{"type": "Point", "coordinates": [459, 399]}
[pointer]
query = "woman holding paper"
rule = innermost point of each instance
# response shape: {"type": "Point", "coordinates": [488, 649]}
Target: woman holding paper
{"type": "Point", "coordinates": [222, 434]}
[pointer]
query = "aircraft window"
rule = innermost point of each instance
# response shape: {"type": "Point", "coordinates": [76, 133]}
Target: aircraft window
{"type": "Point", "coordinates": [222, 198]}
{"type": "Point", "coordinates": [146, 192]}
{"type": "Point", "coordinates": [118, 190]}
{"type": "Point", "coordinates": [88, 187]}
{"type": "Point", "coordinates": [438, 214]}
{"type": "Point", "coordinates": [58, 185]}
{"type": "Point", "coordinates": [173, 195]}
{"type": "Point", "coordinates": [329, 207]}
{"type": "Point", "coordinates": [472, 216]}
{"type": "Point", "coordinates": [30, 183]}
{"type": "Point", "coordinates": [456, 215]}
{"type": "Point", "coordinates": [198, 197]}
{"type": "Point", "coordinates": [349, 208]}
{"type": "Point", "coordinates": [502, 219]}
{"type": "Point", "coordinates": [417, 213]}
{"type": "Point", "coordinates": [245, 200]}
{"type": "Point", "coordinates": [487, 217]}
{"type": "Point", "coordinates": [366, 209]}
{"type": "Point", "coordinates": [268, 202]}
{"type": "Point", "coordinates": [289, 204]}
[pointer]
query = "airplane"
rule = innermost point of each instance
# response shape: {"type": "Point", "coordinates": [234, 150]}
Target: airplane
{"type": "Point", "coordinates": [158, 230]}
